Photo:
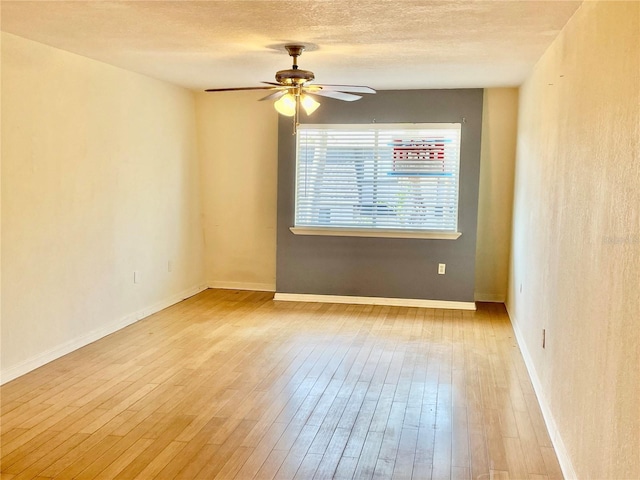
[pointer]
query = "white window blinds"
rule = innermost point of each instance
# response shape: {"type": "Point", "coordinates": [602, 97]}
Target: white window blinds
{"type": "Point", "coordinates": [380, 176]}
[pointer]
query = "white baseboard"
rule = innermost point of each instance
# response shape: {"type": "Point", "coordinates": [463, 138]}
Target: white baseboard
{"type": "Point", "coordinates": [394, 302]}
{"type": "Point", "coordinates": [11, 373]}
{"type": "Point", "coordinates": [561, 451]}
{"type": "Point", "coordinates": [259, 287]}
{"type": "Point", "coordinates": [490, 297]}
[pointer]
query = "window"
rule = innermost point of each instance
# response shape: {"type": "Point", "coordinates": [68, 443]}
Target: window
{"type": "Point", "coordinates": [378, 180]}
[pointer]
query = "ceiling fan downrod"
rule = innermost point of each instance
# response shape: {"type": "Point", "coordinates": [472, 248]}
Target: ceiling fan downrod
{"type": "Point", "coordinates": [294, 76]}
{"type": "Point", "coordinates": [294, 51]}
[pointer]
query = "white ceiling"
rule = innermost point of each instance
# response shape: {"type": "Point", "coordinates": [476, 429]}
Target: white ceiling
{"type": "Point", "coordinates": [386, 44]}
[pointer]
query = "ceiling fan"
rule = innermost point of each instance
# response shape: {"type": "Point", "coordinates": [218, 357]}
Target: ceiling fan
{"type": "Point", "coordinates": [294, 89]}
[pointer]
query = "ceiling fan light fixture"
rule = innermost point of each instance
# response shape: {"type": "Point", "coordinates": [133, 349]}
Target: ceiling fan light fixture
{"type": "Point", "coordinates": [286, 105]}
{"type": "Point", "coordinates": [309, 104]}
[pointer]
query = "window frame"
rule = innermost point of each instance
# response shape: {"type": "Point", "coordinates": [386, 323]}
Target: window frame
{"type": "Point", "coordinates": [377, 232]}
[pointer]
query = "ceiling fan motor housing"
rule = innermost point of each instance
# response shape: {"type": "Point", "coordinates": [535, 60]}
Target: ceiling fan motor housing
{"type": "Point", "coordinates": [294, 77]}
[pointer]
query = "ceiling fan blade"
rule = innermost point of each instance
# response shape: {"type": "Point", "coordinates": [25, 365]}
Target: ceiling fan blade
{"type": "Point", "coordinates": [347, 97]}
{"type": "Point", "coordinates": [274, 96]}
{"type": "Point", "coordinates": [345, 88]}
{"type": "Point", "coordinates": [273, 83]}
{"type": "Point", "coordinates": [237, 88]}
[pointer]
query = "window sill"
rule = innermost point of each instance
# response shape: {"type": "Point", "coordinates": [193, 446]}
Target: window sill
{"type": "Point", "coordinates": [361, 232]}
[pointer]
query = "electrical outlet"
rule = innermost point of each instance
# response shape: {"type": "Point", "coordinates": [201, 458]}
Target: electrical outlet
{"type": "Point", "coordinates": [442, 268]}
{"type": "Point", "coordinates": [520, 288]}
{"type": "Point", "coordinates": [136, 277]}
{"type": "Point", "coordinates": [169, 266]}
{"type": "Point", "coordinates": [544, 338]}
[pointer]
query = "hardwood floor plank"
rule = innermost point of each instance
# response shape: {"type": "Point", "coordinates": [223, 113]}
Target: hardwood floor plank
{"type": "Point", "coordinates": [22, 413]}
{"type": "Point", "coordinates": [112, 466]}
{"type": "Point", "coordinates": [163, 459]}
{"type": "Point", "coordinates": [515, 458]}
{"type": "Point", "coordinates": [478, 452]}
{"type": "Point", "coordinates": [369, 456]}
{"type": "Point", "coordinates": [537, 421]}
{"type": "Point", "coordinates": [79, 464]}
{"type": "Point", "coordinates": [190, 450]}
{"type": "Point", "coordinates": [346, 468]}
{"type": "Point", "coordinates": [125, 403]}
{"type": "Point", "coordinates": [272, 464]}
{"type": "Point", "coordinates": [551, 462]}
{"type": "Point", "coordinates": [74, 454]}
{"type": "Point", "coordinates": [461, 473]}
{"type": "Point", "coordinates": [425, 445]}
{"type": "Point", "coordinates": [497, 456]}
{"type": "Point", "coordinates": [308, 467]}
{"type": "Point", "coordinates": [229, 453]}
{"type": "Point", "coordinates": [232, 466]}
{"type": "Point", "coordinates": [459, 429]}
{"type": "Point", "coordinates": [530, 449]}
{"type": "Point", "coordinates": [231, 384]}
{"type": "Point", "coordinates": [360, 429]}
{"type": "Point", "coordinates": [170, 429]}
{"type": "Point", "coordinates": [191, 469]}
{"type": "Point", "coordinates": [383, 408]}
{"type": "Point", "coordinates": [297, 452]}
{"type": "Point", "coordinates": [261, 451]}
{"type": "Point", "coordinates": [41, 391]}
{"type": "Point", "coordinates": [353, 406]}
{"type": "Point", "coordinates": [403, 467]}
{"type": "Point", "coordinates": [17, 460]}
{"type": "Point", "coordinates": [391, 437]}
{"type": "Point", "coordinates": [328, 426]}
{"type": "Point", "coordinates": [34, 465]}
{"type": "Point", "coordinates": [32, 437]}
{"type": "Point", "coordinates": [332, 454]}
{"type": "Point", "coordinates": [422, 471]}
{"type": "Point", "coordinates": [125, 447]}
{"type": "Point", "coordinates": [384, 469]}
{"type": "Point", "coordinates": [500, 475]}
{"type": "Point", "coordinates": [442, 456]}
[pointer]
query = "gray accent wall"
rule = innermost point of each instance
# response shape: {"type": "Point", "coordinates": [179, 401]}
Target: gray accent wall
{"type": "Point", "coordinates": [384, 267]}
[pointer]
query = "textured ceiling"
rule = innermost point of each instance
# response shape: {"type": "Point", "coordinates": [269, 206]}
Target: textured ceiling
{"type": "Point", "coordinates": [386, 44]}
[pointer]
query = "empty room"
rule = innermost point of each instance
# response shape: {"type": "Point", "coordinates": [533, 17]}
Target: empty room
{"type": "Point", "coordinates": [273, 239]}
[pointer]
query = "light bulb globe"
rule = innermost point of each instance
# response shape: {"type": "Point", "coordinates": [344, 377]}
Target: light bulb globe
{"type": "Point", "coordinates": [309, 104]}
{"type": "Point", "coordinates": [286, 105]}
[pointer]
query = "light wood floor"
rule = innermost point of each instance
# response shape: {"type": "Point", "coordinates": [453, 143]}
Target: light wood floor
{"type": "Point", "coordinates": [231, 384]}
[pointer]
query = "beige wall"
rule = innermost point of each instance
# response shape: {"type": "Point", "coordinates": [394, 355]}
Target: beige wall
{"type": "Point", "coordinates": [576, 239]}
{"type": "Point", "coordinates": [495, 202]}
{"type": "Point", "coordinates": [238, 141]}
{"type": "Point", "coordinates": [99, 179]}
